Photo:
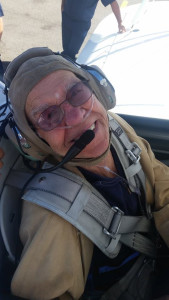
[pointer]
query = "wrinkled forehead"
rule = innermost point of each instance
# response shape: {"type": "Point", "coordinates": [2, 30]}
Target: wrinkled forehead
{"type": "Point", "coordinates": [55, 80]}
{"type": "Point", "coordinates": [51, 90]}
{"type": "Point", "coordinates": [32, 72]}
{"type": "Point", "coordinates": [52, 86]}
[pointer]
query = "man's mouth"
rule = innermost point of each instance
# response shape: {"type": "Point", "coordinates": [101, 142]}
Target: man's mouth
{"type": "Point", "coordinates": [92, 127]}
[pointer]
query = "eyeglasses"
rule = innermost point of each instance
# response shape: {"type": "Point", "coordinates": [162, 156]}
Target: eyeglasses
{"type": "Point", "coordinates": [52, 117]}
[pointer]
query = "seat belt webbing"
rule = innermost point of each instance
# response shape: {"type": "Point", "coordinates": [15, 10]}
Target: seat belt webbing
{"type": "Point", "coordinates": [82, 206]}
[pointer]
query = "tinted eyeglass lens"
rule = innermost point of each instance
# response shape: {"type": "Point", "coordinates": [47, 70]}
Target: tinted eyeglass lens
{"type": "Point", "coordinates": [51, 117]}
{"type": "Point", "coordinates": [78, 94]}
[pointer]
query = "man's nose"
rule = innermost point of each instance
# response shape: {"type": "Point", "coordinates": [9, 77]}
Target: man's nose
{"type": "Point", "coordinates": [73, 115]}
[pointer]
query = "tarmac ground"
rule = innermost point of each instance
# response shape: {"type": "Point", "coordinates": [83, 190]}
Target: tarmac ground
{"type": "Point", "coordinates": [35, 23]}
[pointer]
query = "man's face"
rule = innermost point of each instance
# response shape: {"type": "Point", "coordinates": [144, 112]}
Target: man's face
{"type": "Point", "coordinates": [52, 91]}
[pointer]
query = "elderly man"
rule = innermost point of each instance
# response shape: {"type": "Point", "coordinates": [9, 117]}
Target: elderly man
{"type": "Point", "coordinates": [86, 227]}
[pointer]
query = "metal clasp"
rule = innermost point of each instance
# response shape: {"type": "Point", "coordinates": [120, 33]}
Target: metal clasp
{"type": "Point", "coordinates": [115, 223]}
{"type": "Point", "coordinates": [134, 153]}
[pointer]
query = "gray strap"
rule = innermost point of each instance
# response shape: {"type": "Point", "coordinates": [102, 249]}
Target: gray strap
{"type": "Point", "coordinates": [81, 205]}
{"type": "Point", "coordinates": [9, 219]}
{"type": "Point", "coordinates": [128, 153]}
{"type": "Point", "coordinates": [10, 205]}
{"type": "Point", "coordinates": [9, 159]}
{"type": "Point", "coordinates": [131, 149]}
{"type": "Point", "coordinates": [139, 243]}
{"type": "Point", "coordinates": [17, 178]}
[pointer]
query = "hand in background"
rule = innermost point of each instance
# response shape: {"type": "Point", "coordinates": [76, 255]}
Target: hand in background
{"type": "Point", "coordinates": [121, 28]}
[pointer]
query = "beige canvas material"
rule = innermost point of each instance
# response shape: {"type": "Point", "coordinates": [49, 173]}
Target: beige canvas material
{"type": "Point", "coordinates": [56, 257]}
{"type": "Point", "coordinates": [47, 270]}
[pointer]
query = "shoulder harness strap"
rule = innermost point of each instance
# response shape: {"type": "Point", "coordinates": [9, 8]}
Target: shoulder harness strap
{"type": "Point", "coordinates": [85, 208]}
{"type": "Point", "coordinates": [129, 155]}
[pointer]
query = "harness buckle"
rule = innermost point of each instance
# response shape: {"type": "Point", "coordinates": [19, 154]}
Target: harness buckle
{"type": "Point", "coordinates": [134, 153]}
{"type": "Point", "coordinates": [115, 223]}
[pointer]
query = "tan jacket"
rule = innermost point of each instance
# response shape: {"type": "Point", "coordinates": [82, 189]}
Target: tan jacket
{"type": "Point", "coordinates": [56, 256]}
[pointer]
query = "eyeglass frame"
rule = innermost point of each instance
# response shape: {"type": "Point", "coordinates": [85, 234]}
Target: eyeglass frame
{"type": "Point", "coordinates": [36, 125]}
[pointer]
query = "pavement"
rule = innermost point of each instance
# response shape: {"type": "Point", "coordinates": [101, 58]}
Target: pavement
{"type": "Point", "coordinates": [32, 23]}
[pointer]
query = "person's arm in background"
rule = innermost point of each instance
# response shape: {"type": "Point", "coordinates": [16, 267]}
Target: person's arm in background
{"type": "Point", "coordinates": [116, 10]}
{"type": "Point", "coordinates": [1, 27]}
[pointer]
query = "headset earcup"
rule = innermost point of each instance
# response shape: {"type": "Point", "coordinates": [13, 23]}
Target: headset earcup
{"type": "Point", "coordinates": [106, 88]}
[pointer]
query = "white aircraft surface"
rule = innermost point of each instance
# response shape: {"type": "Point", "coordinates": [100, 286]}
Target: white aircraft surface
{"type": "Point", "coordinates": [137, 61]}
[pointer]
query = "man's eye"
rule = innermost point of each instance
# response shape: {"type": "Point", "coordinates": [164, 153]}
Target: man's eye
{"type": "Point", "coordinates": [49, 115]}
{"type": "Point", "coordinates": [75, 92]}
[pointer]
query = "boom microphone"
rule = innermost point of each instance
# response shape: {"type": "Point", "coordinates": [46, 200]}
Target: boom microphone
{"type": "Point", "coordinates": [74, 150]}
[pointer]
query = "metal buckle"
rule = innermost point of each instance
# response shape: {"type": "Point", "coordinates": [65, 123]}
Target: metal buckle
{"type": "Point", "coordinates": [134, 153]}
{"type": "Point", "coordinates": [115, 223]}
